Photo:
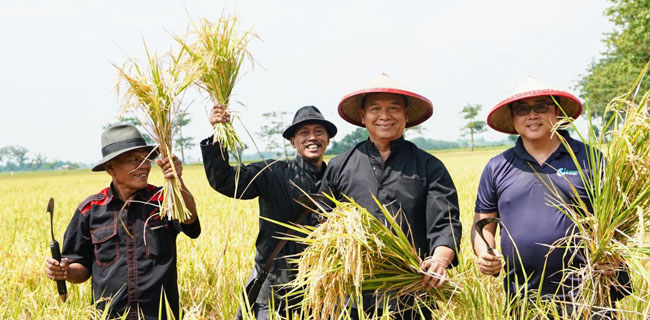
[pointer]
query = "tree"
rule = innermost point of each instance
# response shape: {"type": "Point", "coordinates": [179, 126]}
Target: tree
{"type": "Point", "coordinates": [628, 50]}
{"type": "Point", "coordinates": [473, 126]}
{"type": "Point", "coordinates": [39, 161]}
{"type": "Point", "coordinates": [348, 141]}
{"type": "Point", "coordinates": [181, 142]}
{"type": "Point", "coordinates": [19, 154]}
{"type": "Point", "coordinates": [274, 126]}
{"type": "Point", "coordinates": [4, 153]}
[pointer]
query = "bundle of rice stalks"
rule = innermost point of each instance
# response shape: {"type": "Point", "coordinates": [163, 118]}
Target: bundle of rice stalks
{"type": "Point", "coordinates": [614, 231]}
{"type": "Point", "coordinates": [351, 252]}
{"type": "Point", "coordinates": [154, 91]}
{"type": "Point", "coordinates": [217, 52]}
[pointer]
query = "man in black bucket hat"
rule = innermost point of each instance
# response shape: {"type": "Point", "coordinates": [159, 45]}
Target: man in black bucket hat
{"type": "Point", "coordinates": [270, 181]}
{"type": "Point", "coordinates": [118, 236]}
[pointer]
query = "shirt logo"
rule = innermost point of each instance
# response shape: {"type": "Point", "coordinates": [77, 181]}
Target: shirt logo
{"type": "Point", "coordinates": [564, 171]}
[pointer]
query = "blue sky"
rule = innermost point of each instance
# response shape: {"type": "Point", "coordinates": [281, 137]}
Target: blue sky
{"type": "Point", "coordinates": [57, 81]}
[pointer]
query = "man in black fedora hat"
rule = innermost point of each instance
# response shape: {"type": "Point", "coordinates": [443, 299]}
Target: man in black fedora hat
{"type": "Point", "coordinates": [270, 181]}
{"type": "Point", "coordinates": [118, 237]}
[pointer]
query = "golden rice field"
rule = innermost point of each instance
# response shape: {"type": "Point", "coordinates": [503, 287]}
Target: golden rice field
{"type": "Point", "coordinates": [211, 268]}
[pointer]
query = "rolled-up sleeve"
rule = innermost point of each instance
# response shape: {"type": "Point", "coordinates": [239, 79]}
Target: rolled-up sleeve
{"type": "Point", "coordinates": [192, 230]}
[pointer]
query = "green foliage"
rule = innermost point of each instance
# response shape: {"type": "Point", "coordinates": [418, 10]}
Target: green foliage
{"type": "Point", "coordinates": [271, 132]}
{"type": "Point", "coordinates": [628, 49]}
{"type": "Point", "coordinates": [15, 158]}
{"type": "Point", "coordinates": [473, 126]}
{"type": "Point", "coordinates": [181, 142]}
{"type": "Point", "coordinates": [348, 142]}
{"type": "Point", "coordinates": [432, 144]}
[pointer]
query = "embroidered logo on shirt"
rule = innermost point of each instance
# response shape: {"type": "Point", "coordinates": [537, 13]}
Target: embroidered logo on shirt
{"type": "Point", "coordinates": [564, 171]}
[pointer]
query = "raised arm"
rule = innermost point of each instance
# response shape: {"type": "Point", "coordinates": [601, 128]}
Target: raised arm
{"type": "Point", "coordinates": [225, 178]}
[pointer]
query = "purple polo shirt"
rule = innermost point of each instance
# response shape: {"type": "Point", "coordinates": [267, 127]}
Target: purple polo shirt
{"type": "Point", "coordinates": [530, 223]}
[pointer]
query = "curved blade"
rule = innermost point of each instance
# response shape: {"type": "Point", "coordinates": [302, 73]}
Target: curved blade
{"type": "Point", "coordinates": [50, 206]}
{"type": "Point", "coordinates": [50, 210]}
{"type": "Point", "coordinates": [479, 225]}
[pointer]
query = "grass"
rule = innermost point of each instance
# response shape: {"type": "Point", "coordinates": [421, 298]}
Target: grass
{"type": "Point", "coordinates": [213, 267]}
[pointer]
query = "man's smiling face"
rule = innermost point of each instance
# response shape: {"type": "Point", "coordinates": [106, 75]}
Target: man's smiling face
{"type": "Point", "coordinates": [130, 170]}
{"type": "Point", "coordinates": [311, 141]}
{"type": "Point", "coordinates": [385, 116]}
{"type": "Point", "coordinates": [534, 117]}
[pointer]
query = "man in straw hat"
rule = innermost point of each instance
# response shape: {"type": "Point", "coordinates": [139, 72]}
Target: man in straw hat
{"type": "Point", "coordinates": [118, 236]}
{"type": "Point", "coordinates": [514, 188]}
{"type": "Point", "coordinates": [273, 183]}
{"type": "Point", "coordinates": [399, 175]}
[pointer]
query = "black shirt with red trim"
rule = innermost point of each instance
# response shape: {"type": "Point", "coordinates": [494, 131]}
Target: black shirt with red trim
{"type": "Point", "coordinates": [129, 250]}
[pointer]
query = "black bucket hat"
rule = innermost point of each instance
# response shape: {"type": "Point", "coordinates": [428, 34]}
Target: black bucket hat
{"type": "Point", "coordinates": [119, 139]}
{"type": "Point", "coordinates": [305, 115]}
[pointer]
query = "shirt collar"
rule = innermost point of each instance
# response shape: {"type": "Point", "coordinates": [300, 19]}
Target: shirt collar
{"type": "Point", "coordinates": [520, 150]}
{"type": "Point", "coordinates": [394, 145]}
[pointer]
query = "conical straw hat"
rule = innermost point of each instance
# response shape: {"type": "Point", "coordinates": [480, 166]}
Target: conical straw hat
{"type": "Point", "coordinates": [419, 107]}
{"type": "Point", "coordinates": [500, 117]}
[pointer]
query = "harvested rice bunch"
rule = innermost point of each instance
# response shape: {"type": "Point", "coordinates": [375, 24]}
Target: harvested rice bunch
{"type": "Point", "coordinates": [353, 251]}
{"type": "Point", "coordinates": [217, 52]}
{"type": "Point", "coordinates": [612, 235]}
{"type": "Point", "coordinates": [154, 90]}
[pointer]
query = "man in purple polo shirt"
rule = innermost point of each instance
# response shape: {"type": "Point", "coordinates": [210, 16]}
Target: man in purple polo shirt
{"type": "Point", "coordinates": [510, 190]}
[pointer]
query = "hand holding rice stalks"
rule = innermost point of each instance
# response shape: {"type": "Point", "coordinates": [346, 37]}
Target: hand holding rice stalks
{"type": "Point", "coordinates": [620, 196]}
{"type": "Point", "coordinates": [353, 251]}
{"type": "Point", "coordinates": [155, 90]}
{"type": "Point", "coordinates": [217, 52]}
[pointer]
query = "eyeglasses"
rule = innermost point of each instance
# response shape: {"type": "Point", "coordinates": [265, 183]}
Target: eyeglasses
{"type": "Point", "coordinates": [525, 109]}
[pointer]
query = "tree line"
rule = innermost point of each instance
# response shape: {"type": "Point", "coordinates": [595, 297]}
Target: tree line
{"type": "Point", "coordinates": [16, 158]}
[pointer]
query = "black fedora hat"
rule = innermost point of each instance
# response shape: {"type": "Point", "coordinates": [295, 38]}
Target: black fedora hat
{"type": "Point", "coordinates": [119, 139]}
{"type": "Point", "coordinates": [306, 115]}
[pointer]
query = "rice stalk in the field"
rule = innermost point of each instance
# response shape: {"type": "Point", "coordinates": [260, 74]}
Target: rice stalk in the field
{"type": "Point", "coordinates": [353, 251]}
{"type": "Point", "coordinates": [611, 234]}
{"type": "Point", "coordinates": [217, 52]}
{"type": "Point", "coordinates": [155, 90]}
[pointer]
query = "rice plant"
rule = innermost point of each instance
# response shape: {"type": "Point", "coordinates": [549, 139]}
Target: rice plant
{"type": "Point", "coordinates": [612, 235]}
{"type": "Point", "coordinates": [155, 90]}
{"type": "Point", "coordinates": [217, 52]}
{"type": "Point", "coordinates": [352, 252]}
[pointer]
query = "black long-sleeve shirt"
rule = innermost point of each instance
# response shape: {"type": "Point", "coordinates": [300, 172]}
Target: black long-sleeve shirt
{"type": "Point", "coordinates": [270, 182]}
{"type": "Point", "coordinates": [410, 179]}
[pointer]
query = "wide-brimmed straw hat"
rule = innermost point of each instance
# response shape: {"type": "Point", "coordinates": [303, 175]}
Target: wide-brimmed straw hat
{"type": "Point", "coordinates": [500, 117]}
{"type": "Point", "coordinates": [119, 139]}
{"type": "Point", "coordinates": [419, 107]}
{"type": "Point", "coordinates": [307, 115]}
